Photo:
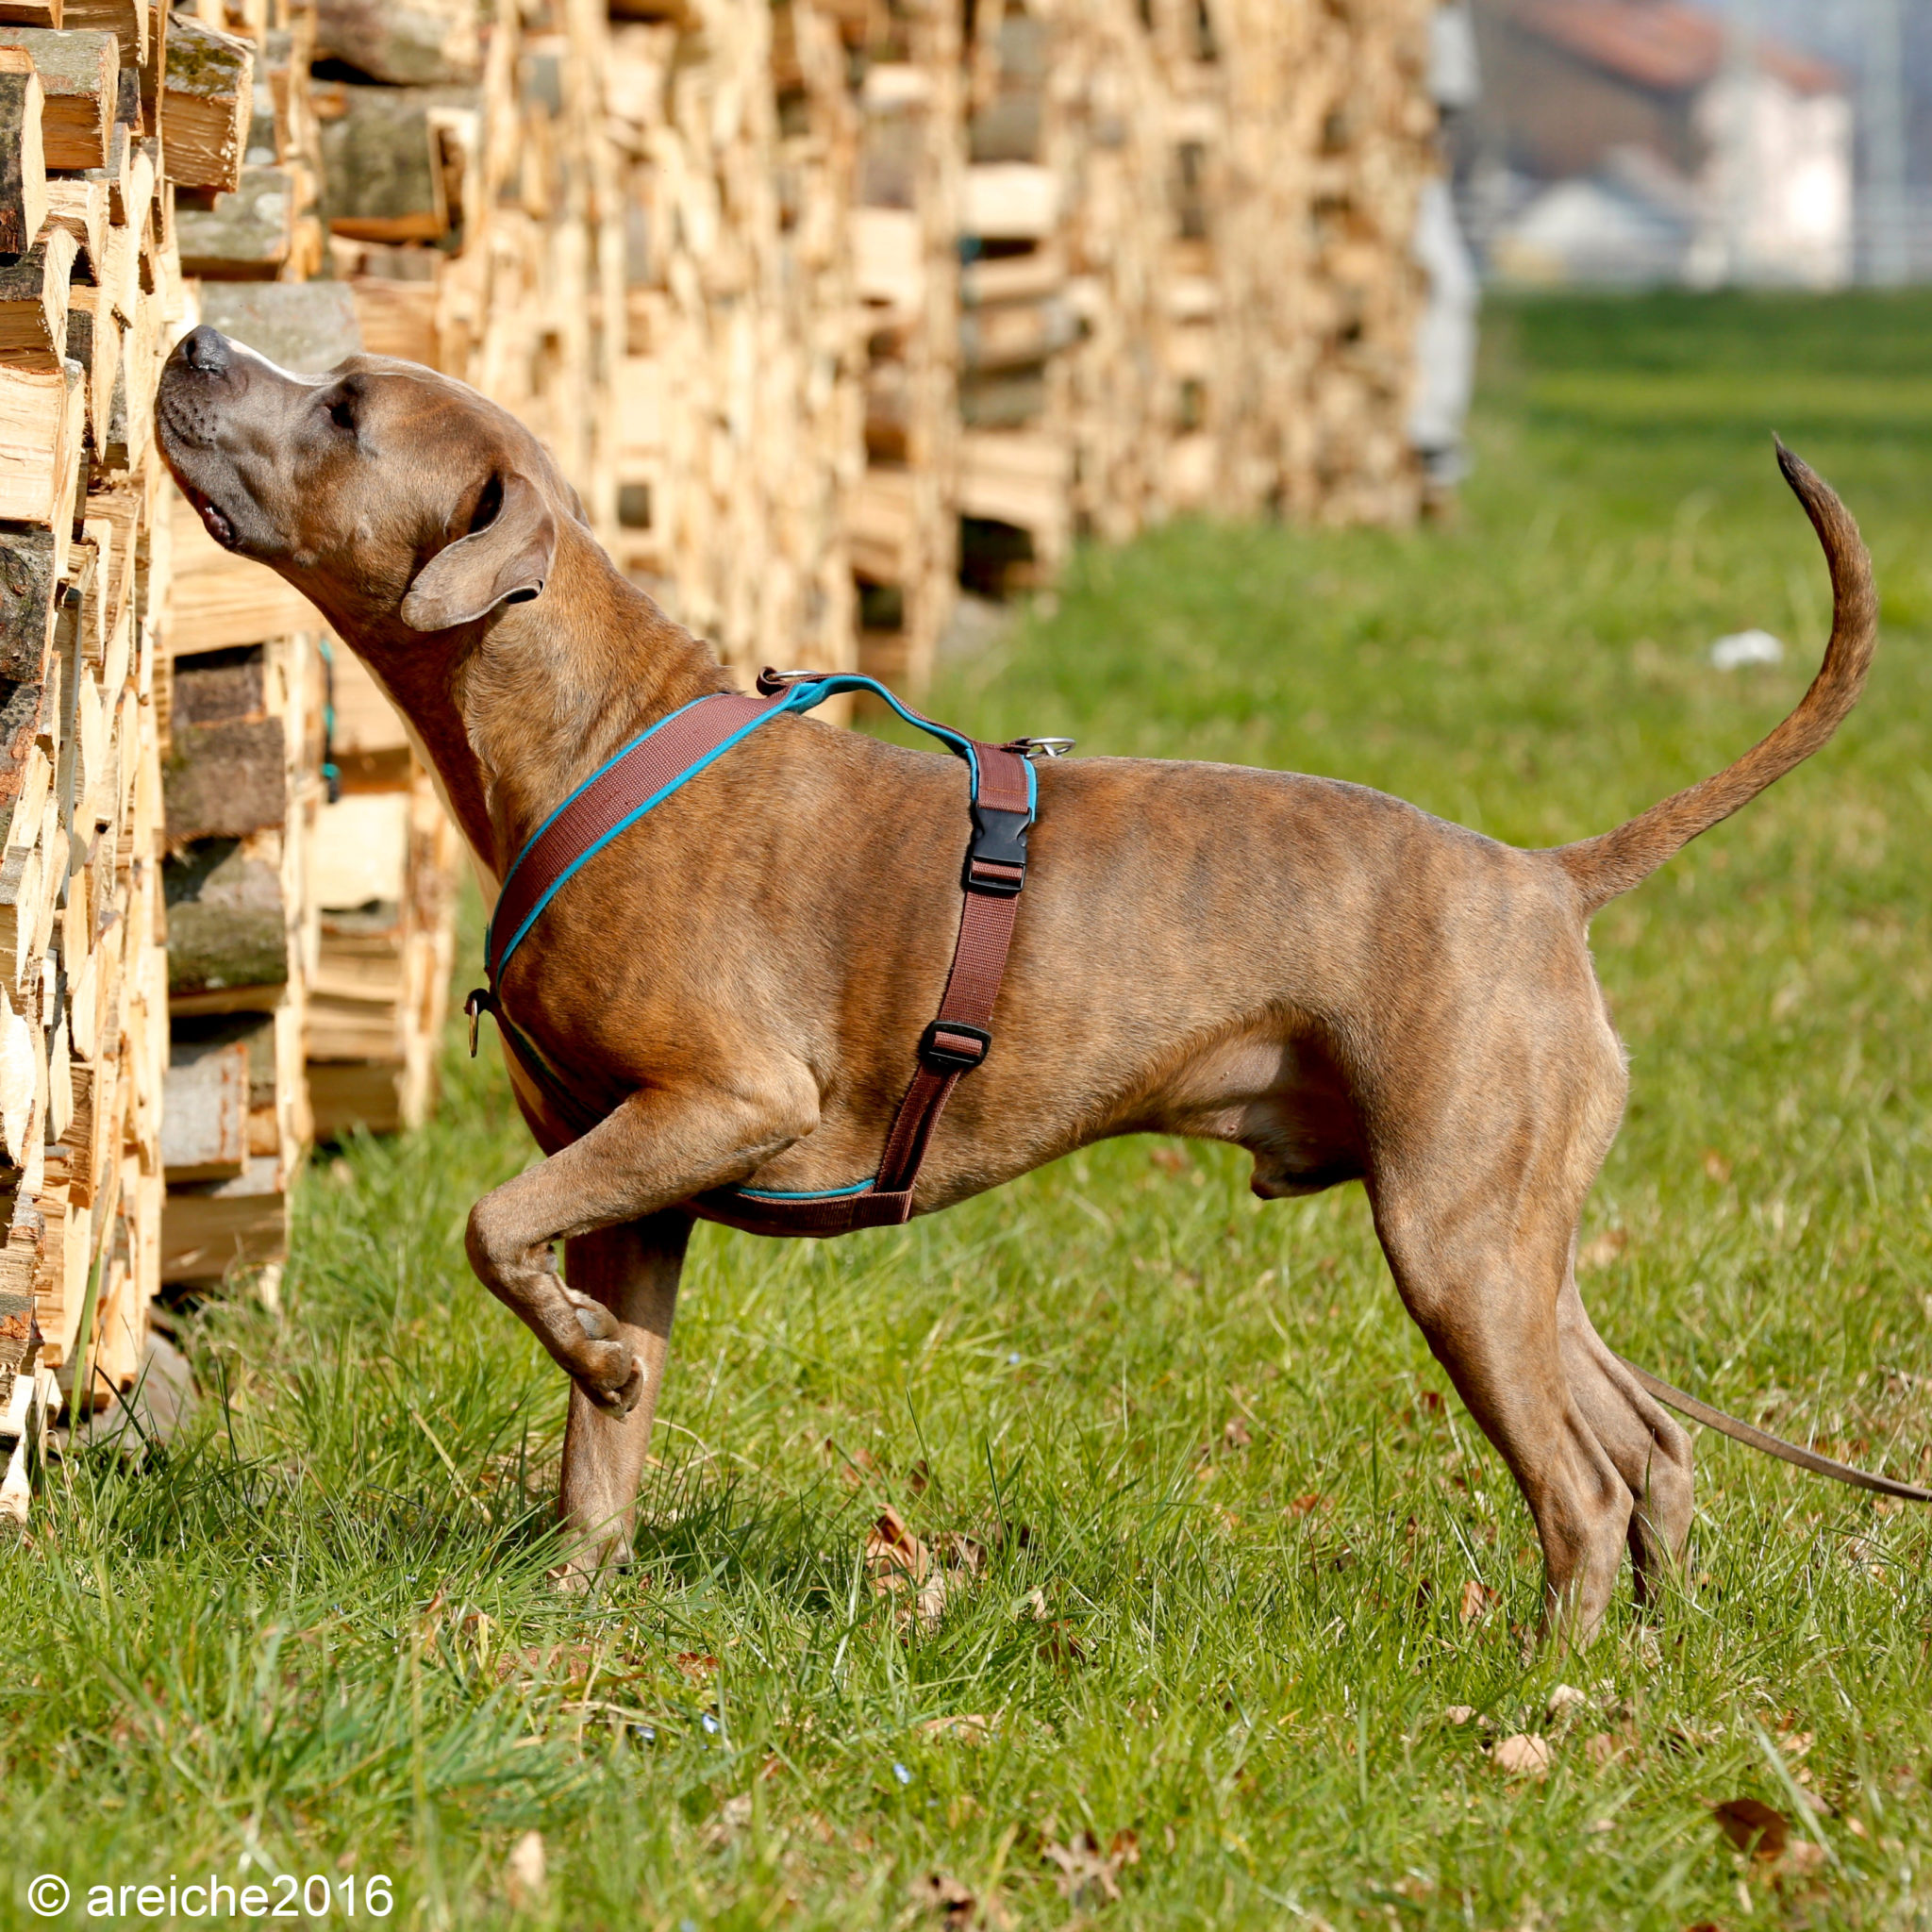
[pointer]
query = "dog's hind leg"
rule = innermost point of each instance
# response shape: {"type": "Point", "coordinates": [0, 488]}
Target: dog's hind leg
{"type": "Point", "coordinates": [1483, 1281]}
{"type": "Point", "coordinates": [1650, 1447]}
{"type": "Point", "coordinates": [631, 1271]}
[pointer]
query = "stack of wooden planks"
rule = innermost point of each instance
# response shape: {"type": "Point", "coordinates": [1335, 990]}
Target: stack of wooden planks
{"type": "Point", "coordinates": [90, 287]}
{"type": "Point", "coordinates": [242, 709]}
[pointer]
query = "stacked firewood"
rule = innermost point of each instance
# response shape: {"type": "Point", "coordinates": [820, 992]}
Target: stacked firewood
{"type": "Point", "coordinates": [245, 723]}
{"type": "Point", "coordinates": [738, 398]}
{"type": "Point", "coordinates": [1108, 260]}
{"type": "Point", "coordinates": [90, 289]}
{"type": "Point", "coordinates": [448, 176]}
{"type": "Point", "coordinates": [903, 517]}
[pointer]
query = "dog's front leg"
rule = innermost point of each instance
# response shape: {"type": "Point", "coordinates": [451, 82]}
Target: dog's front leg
{"type": "Point", "coordinates": [652, 1154]}
{"type": "Point", "coordinates": [632, 1271]}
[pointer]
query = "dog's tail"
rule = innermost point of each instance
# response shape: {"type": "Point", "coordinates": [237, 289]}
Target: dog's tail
{"type": "Point", "coordinates": [1755, 1437]}
{"type": "Point", "coordinates": [1613, 862]}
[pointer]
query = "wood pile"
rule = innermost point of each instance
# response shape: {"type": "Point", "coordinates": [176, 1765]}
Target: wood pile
{"type": "Point", "coordinates": [245, 723]}
{"type": "Point", "coordinates": [90, 285]}
{"type": "Point", "coordinates": [903, 517]}
{"type": "Point", "coordinates": [824, 304]}
{"type": "Point", "coordinates": [1107, 262]}
{"type": "Point", "coordinates": [737, 400]}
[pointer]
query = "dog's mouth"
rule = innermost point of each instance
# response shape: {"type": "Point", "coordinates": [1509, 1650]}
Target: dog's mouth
{"type": "Point", "coordinates": [218, 526]}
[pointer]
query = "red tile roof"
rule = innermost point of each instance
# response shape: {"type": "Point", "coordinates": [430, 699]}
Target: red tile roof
{"type": "Point", "coordinates": [1659, 44]}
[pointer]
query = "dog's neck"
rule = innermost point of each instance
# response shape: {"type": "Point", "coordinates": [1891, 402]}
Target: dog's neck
{"type": "Point", "coordinates": [527, 703]}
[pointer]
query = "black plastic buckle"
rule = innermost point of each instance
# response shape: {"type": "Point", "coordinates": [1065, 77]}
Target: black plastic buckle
{"type": "Point", "coordinates": [996, 860]}
{"type": "Point", "coordinates": [950, 1058]}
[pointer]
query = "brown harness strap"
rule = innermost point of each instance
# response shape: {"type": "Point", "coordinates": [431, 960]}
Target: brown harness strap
{"type": "Point", "coordinates": [604, 804]}
{"type": "Point", "coordinates": [624, 789]}
{"type": "Point", "coordinates": [952, 1045]}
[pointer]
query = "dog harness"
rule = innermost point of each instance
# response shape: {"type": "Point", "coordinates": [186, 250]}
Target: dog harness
{"type": "Point", "coordinates": [1003, 797]}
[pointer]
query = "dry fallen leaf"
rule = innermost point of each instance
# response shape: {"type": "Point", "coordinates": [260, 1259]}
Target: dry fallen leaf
{"type": "Point", "coordinates": [525, 1871]}
{"type": "Point", "coordinates": [1479, 1599]}
{"type": "Point", "coordinates": [1805, 1855]}
{"type": "Point", "coordinates": [969, 1728]}
{"type": "Point", "coordinates": [1753, 1826]}
{"type": "Point", "coordinates": [698, 1665]}
{"type": "Point", "coordinates": [1601, 1749]}
{"type": "Point", "coordinates": [1234, 1434]}
{"type": "Point", "coordinates": [1169, 1160]}
{"type": "Point", "coordinates": [1087, 1872]}
{"type": "Point", "coordinates": [1564, 1699]}
{"type": "Point", "coordinates": [1304, 1506]}
{"type": "Point", "coordinates": [894, 1553]}
{"type": "Point", "coordinates": [1458, 1713]}
{"type": "Point", "coordinates": [1716, 1166]}
{"type": "Point", "coordinates": [899, 1561]}
{"type": "Point", "coordinates": [1601, 1250]}
{"type": "Point", "coordinates": [943, 1896]}
{"type": "Point", "coordinates": [1524, 1754]}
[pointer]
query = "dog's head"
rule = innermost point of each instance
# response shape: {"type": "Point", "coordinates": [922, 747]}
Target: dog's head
{"type": "Point", "coordinates": [399, 500]}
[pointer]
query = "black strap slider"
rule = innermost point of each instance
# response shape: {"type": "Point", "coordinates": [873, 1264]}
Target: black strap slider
{"type": "Point", "coordinates": [950, 1046]}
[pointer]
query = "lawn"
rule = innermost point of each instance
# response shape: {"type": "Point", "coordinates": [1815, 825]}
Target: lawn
{"type": "Point", "coordinates": [1229, 1591]}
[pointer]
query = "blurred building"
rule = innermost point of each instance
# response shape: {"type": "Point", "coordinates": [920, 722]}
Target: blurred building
{"type": "Point", "coordinates": [1649, 141]}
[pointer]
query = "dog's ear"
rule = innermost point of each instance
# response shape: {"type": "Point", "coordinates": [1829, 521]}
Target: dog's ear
{"type": "Point", "coordinates": [504, 559]}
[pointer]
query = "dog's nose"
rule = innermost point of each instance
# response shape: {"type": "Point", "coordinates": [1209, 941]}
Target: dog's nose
{"type": "Point", "coordinates": [206, 350]}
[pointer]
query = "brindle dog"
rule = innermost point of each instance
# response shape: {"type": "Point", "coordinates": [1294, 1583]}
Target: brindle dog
{"type": "Point", "coordinates": [1328, 977]}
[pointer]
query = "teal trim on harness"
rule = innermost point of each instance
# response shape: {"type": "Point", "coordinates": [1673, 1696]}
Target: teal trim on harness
{"type": "Point", "coordinates": [802, 697]}
{"type": "Point", "coordinates": [807, 1194]}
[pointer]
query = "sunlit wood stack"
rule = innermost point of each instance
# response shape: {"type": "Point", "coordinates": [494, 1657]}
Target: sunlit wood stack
{"type": "Point", "coordinates": [471, 204]}
{"type": "Point", "coordinates": [243, 686]}
{"type": "Point", "coordinates": [903, 518]}
{"type": "Point", "coordinates": [90, 285]}
{"type": "Point", "coordinates": [737, 400]}
{"type": "Point", "coordinates": [1367, 132]}
{"type": "Point", "coordinates": [473, 215]}
{"type": "Point", "coordinates": [383, 875]}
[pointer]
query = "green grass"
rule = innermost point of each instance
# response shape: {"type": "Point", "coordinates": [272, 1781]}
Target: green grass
{"type": "Point", "coordinates": [1230, 1514]}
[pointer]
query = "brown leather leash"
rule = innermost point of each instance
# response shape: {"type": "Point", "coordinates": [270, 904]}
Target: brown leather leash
{"type": "Point", "coordinates": [646, 772]}
{"type": "Point", "coordinates": [1002, 801]}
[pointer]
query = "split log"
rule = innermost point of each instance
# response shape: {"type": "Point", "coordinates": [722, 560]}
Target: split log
{"type": "Point", "coordinates": [384, 162]}
{"type": "Point", "coordinates": [414, 43]}
{"type": "Point", "coordinates": [33, 301]}
{"type": "Point", "coordinates": [79, 77]}
{"type": "Point", "coordinates": [42, 416]}
{"type": "Point", "coordinates": [126, 20]}
{"type": "Point", "coordinates": [23, 160]}
{"type": "Point", "coordinates": [208, 94]}
{"type": "Point", "coordinates": [31, 565]}
{"type": "Point", "coordinates": [245, 236]}
{"type": "Point", "coordinates": [227, 923]}
{"type": "Point", "coordinates": [205, 1121]}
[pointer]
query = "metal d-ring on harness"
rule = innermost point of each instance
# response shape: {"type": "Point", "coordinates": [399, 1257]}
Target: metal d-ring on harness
{"type": "Point", "coordinates": [1002, 800]}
